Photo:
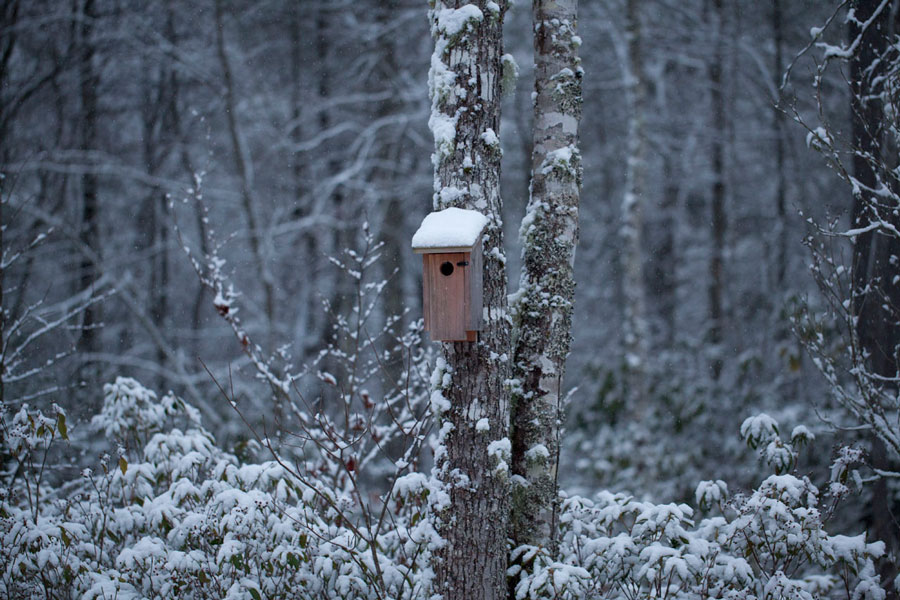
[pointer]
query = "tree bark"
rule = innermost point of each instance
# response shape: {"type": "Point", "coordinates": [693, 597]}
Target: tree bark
{"type": "Point", "coordinates": [89, 236]}
{"type": "Point", "coordinates": [543, 307]}
{"type": "Point", "coordinates": [665, 259]}
{"type": "Point", "coordinates": [8, 18]}
{"type": "Point", "coordinates": [778, 121]}
{"type": "Point", "coordinates": [878, 334]}
{"type": "Point", "coordinates": [306, 243]}
{"type": "Point", "coordinates": [470, 399]}
{"type": "Point", "coordinates": [244, 166]}
{"type": "Point", "coordinates": [718, 219]}
{"type": "Point", "coordinates": [384, 178]}
{"type": "Point", "coordinates": [635, 329]}
{"type": "Point", "coordinates": [875, 298]}
{"type": "Point", "coordinates": [160, 131]}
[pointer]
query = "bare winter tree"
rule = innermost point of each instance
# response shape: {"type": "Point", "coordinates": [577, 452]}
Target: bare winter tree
{"type": "Point", "coordinates": [865, 297]}
{"type": "Point", "coordinates": [543, 305]}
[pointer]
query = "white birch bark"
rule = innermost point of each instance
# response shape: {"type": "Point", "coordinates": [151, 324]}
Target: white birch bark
{"type": "Point", "coordinates": [543, 305]}
{"type": "Point", "coordinates": [470, 398]}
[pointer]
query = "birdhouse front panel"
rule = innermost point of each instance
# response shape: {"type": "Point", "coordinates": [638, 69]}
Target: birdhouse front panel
{"type": "Point", "coordinates": [446, 296]}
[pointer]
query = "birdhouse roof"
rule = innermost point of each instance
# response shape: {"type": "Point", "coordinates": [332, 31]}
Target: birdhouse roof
{"type": "Point", "coordinates": [449, 230]}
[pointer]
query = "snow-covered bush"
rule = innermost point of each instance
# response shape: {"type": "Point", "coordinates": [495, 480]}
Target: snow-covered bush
{"type": "Point", "coordinates": [331, 506]}
{"type": "Point", "coordinates": [182, 518]}
{"type": "Point", "coordinates": [769, 543]}
{"type": "Point", "coordinates": [131, 413]}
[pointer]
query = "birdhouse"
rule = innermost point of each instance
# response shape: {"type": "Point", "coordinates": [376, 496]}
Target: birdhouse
{"type": "Point", "coordinates": [450, 244]}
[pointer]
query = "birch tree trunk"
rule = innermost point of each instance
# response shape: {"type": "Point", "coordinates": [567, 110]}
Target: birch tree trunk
{"type": "Point", "coordinates": [470, 397]}
{"type": "Point", "coordinates": [635, 323]}
{"type": "Point", "coordinates": [543, 306]}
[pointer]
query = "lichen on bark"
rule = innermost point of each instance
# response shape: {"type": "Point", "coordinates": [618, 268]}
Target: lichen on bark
{"type": "Point", "coordinates": [543, 306]}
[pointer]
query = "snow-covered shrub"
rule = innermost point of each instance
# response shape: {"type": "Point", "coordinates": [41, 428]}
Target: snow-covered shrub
{"type": "Point", "coordinates": [131, 413]}
{"type": "Point", "coordinates": [770, 543]}
{"type": "Point", "coordinates": [25, 441]}
{"type": "Point", "coordinates": [184, 519]}
{"type": "Point", "coordinates": [331, 506]}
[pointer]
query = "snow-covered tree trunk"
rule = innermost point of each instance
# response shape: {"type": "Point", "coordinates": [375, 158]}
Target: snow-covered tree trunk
{"type": "Point", "coordinates": [543, 306]}
{"type": "Point", "coordinates": [635, 322]}
{"type": "Point", "coordinates": [470, 397]}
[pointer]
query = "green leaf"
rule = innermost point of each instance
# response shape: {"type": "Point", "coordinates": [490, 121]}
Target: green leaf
{"type": "Point", "coordinates": [255, 594]}
{"type": "Point", "coordinates": [61, 426]}
{"type": "Point", "coordinates": [123, 464]}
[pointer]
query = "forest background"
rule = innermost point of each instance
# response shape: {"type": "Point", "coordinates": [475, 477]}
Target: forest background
{"type": "Point", "coordinates": [150, 153]}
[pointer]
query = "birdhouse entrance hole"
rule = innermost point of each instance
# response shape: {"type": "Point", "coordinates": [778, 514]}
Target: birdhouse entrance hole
{"type": "Point", "coordinates": [447, 269]}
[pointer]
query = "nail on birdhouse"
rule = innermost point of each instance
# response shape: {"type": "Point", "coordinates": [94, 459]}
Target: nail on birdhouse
{"type": "Point", "coordinates": [450, 244]}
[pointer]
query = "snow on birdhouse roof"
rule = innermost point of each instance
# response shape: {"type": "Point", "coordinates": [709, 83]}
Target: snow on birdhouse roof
{"type": "Point", "coordinates": [451, 229]}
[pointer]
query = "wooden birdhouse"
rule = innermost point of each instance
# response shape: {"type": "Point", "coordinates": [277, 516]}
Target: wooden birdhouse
{"type": "Point", "coordinates": [450, 244]}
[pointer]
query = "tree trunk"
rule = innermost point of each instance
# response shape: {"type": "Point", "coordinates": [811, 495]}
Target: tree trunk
{"type": "Point", "coordinates": [89, 236]}
{"type": "Point", "coordinates": [778, 118]}
{"type": "Point", "coordinates": [878, 332]}
{"type": "Point", "coordinates": [665, 263]}
{"type": "Point", "coordinates": [244, 166]}
{"type": "Point", "coordinates": [875, 296]}
{"type": "Point", "coordinates": [549, 235]}
{"type": "Point", "coordinates": [470, 399]}
{"type": "Point", "coordinates": [338, 289]}
{"type": "Point", "coordinates": [718, 192]}
{"type": "Point", "coordinates": [384, 178]}
{"type": "Point", "coordinates": [635, 322]}
{"type": "Point", "coordinates": [8, 18]}
{"type": "Point", "coordinates": [159, 132]}
{"type": "Point", "coordinates": [306, 243]}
